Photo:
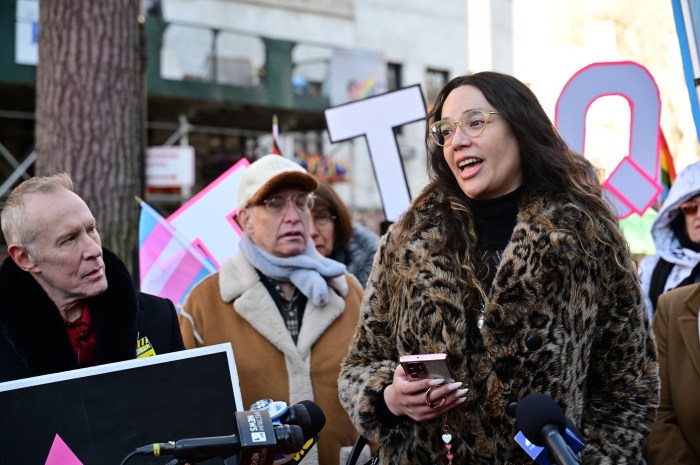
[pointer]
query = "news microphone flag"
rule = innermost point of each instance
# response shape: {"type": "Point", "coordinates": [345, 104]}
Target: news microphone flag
{"type": "Point", "coordinates": [540, 454]}
{"type": "Point", "coordinates": [169, 266]}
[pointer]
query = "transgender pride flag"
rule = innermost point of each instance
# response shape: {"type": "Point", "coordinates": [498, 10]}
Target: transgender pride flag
{"type": "Point", "coordinates": [169, 266]}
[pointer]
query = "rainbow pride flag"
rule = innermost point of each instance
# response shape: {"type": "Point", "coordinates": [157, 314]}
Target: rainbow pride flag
{"type": "Point", "coordinates": [667, 169]}
{"type": "Point", "coordinates": [169, 266]}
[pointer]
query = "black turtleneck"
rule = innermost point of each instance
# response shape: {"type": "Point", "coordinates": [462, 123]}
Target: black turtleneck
{"type": "Point", "coordinates": [494, 220]}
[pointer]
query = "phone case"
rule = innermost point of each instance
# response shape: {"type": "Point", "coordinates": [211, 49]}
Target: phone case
{"type": "Point", "coordinates": [424, 366]}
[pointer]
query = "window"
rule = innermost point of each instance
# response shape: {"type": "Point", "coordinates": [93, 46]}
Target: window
{"type": "Point", "coordinates": [434, 80]}
{"type": "Point", "coordinates": [394, 79]}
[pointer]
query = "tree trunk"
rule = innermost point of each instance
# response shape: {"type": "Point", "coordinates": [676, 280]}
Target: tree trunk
{"type": "Point", "coordinates": [89, 108]}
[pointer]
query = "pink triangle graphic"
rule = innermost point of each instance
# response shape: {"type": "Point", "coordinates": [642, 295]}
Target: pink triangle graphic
{"type": "Point", "coordinates": [60, 454]}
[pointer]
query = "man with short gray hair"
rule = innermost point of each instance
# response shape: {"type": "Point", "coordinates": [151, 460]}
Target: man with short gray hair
{"type": "Point", "coordinates": [67, 302]}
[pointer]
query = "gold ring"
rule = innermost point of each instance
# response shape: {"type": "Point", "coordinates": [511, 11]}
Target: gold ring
{"type": "Point", "coordinates": [429, 403]}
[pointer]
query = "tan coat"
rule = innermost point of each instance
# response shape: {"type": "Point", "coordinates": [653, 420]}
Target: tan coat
{"type": "Point", "coordinates": [234, 306]}
{"type": "Point", "coordinates": [675, 436]}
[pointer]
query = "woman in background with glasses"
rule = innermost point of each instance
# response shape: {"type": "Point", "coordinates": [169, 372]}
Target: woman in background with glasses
{"type": "Point", "coordinates": [676, 234]}
{"type": "Point", "coordinates": [511, 264]}
{"type": "Point", "coordinates": [337, 237]}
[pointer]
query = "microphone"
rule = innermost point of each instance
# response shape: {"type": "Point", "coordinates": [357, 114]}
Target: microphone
{"type": "Point", "coordinates": [256, 443]}
{"type": "Point", "coordinates": [280, 413]}
{"type": "Point", "coordinates": [306, 414]}
{"type": "Point", "coordinates": [317, 420]}
{"type": "Point", "coordinates": [542, 426]}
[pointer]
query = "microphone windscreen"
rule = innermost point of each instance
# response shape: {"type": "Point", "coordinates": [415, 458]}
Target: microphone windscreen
{"type": "Point", "coordinates": [318, 419]}
{"type": "Point", "coordinates": [299, 415]}
{"type": "Point", "coordinates": [290, 439]}
{"type": "Point", "coordinates": [534, 412]}
{"type": "Point", "coordinates": [297, 441]}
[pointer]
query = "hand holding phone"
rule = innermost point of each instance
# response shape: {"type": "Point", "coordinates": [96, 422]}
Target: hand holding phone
{"type": "Point", "coordinates": [424, 366]}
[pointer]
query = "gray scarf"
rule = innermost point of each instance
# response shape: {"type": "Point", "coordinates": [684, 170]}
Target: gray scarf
{"type": "Point", "coordinates": [306, 271]}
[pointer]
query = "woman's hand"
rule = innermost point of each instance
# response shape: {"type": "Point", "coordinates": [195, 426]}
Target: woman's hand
{"type": "Point", "coordinates": [410, 398]}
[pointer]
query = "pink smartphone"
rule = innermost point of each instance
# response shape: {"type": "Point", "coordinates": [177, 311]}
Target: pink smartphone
{"type": "Point", "coordinates": [424, 366]}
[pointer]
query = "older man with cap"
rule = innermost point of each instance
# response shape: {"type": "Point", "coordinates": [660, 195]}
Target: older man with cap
{"type": "Point", "coordinates": [288, 312]}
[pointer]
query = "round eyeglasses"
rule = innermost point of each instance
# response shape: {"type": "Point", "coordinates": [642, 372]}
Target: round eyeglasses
{"type": "Point", "coordinates": [277, 204]}
{"type": "Point", "coordinates": [472, 123]}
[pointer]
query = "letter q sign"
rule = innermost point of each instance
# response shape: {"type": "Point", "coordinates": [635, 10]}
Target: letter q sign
{"type": "Point", "coordinates": [632, 186]}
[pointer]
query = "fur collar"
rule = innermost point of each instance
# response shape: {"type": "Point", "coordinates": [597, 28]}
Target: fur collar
{"type": "Point", "coordinates": [239, 283]}
{"type": "Point", "coordinates": [36, 329]}
{"type": "Point", "coordinates": [431, 289]}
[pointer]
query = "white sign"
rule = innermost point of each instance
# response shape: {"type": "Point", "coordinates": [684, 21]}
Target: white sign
{"type": "Point", "coordinates": [27, 32]}
{"type": "Point", "coordinates": [207, 219]}
{"type": "Point", "coordinates": [633, 185]}
{"type": "Point", "coordinates": [374, 118]}
{"type": "Point", "coordinates": [170, 166]}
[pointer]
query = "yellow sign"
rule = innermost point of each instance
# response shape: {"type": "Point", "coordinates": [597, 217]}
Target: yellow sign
{"type": "Point", "coordinates": [144, 348]}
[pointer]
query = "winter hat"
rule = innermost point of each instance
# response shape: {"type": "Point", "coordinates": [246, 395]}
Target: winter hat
{"type": "Point", "coordinates": [268, 173]}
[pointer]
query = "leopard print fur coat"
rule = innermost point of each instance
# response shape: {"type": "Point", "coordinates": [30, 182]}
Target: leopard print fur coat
{"type": "Point", "coordinates": [563, 320]}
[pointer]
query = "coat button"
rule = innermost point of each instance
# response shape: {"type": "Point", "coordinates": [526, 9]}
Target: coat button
{"type": "Point", "coordinates": [533, 342]}
{"type": "Point", "coordinates": [512, 408]}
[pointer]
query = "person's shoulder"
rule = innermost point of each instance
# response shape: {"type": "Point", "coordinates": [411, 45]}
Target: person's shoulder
{"type": "Point", "coordinates": [158, 323]}
{"type": "Point", "coordinates": [679, 302]}
{"type": "Point", "coordinates": [354, 285]}
{"type": "Point", "coordinates": [354, 294]}
{"type": "Point", "coordinates": [363, 237]}
{"type": "Point", "coordinates": [207, 281]}
{"type": "Point", "coordinates": [205, 286]}
{"type": "Point", "coordinates": [361, 231]}
{"type": "Point", "coordinates": [430, 199]}
{"type": "Point", "coordinates": [680, 294]}
{"type": "Point", "coordinates": [154, 303]}
{"type": "Point", "coordinates": [427, 213]}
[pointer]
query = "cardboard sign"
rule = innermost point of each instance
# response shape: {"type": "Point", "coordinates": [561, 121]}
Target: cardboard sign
{"type": "Point", "coordinates": [632, 186]}
{"type": "Point", "coordinates": [207, 219]}
{"type": "Point", "coordinates": [100, 414]}
{"type": "Point", "coordinates": [375, 118]}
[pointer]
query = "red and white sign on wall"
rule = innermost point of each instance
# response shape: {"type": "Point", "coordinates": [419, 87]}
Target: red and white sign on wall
{"type": "Point", "coordinates": [171, 166]}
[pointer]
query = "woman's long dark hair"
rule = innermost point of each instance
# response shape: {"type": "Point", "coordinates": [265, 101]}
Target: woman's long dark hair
{"type": "Point", "coordinates": [549, 167]}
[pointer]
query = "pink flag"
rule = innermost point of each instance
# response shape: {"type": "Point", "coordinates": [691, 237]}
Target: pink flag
{"type": "Point", "coordinates": [169, 266]}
